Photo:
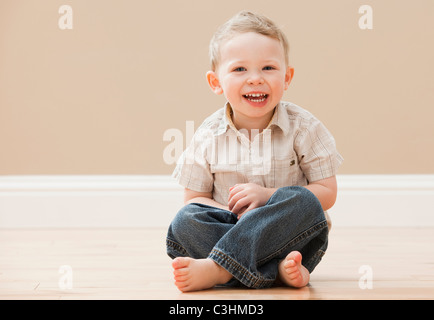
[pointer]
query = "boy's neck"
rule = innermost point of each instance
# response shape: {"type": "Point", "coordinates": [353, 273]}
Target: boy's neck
{"type": "Point", "coordinates": [252, 125]}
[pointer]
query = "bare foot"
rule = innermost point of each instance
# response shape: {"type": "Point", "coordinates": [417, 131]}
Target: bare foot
{"type": "Point", "coordinates": [198, 274]}
{"type": "Point", "coordinates": [292, 272]}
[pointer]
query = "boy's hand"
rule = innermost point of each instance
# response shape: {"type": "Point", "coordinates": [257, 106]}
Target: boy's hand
{"type": "Point", "coordinates": [247, 196]}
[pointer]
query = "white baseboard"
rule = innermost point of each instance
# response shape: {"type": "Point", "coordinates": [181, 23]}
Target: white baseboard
{"type": "Point", "coordinates": [88, 201]}
{"type": "Point", "coordinates": [384, 201]}
{"type": "Point", "coordinates": [152, 201]}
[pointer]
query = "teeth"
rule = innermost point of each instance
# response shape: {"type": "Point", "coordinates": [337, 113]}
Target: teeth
{"type": "Point", "coordinates": [256, 97]}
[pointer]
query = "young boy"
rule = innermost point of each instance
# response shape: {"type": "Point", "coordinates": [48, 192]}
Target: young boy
{"type": "Point", "coordinates": [254, 215]}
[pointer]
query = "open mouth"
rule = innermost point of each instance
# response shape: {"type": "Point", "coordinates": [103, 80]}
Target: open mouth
{"type": "Point", "coordinates": [256, 97]}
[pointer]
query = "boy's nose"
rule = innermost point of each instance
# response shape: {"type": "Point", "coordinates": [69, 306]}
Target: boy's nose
{"type": "Point", "coordinates": [255, 79]}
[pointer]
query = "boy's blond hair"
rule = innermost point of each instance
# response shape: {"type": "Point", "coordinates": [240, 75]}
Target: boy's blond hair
{"type": "Point", "coordinates": [244, 22]}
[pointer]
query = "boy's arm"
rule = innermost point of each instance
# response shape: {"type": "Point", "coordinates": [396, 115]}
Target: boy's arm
{"type": "Point", "coordinates": [191, 196]}
{"type": "Point", "coordinates": [247, 196]}
{"type": "Point", "coordinates": [325, 190]}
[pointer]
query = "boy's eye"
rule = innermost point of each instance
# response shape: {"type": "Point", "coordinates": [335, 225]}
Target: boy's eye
{"type": "Point", "coordinates": [269, 68]}
{"type": "Point", "coordinates": [240, 69]}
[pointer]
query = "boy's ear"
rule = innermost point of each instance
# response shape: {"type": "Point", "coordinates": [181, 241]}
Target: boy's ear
{"type": "Point", "coordinates": [214, 82]}
{"type": "Point", "coordinates": [288, 76]}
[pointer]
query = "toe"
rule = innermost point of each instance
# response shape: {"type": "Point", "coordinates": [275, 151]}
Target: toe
{"type": "Point", "coordinates": [294, 275]}
{"type": "Point", "coordinates": [181, 278]}
{"type": "Point", "coordinates": [291, 269]}
{"type": "Point", "coordinates": [294, 255]}
{"type": "Point", "coordinates": [180, 271]}
{"type": "Point", "coordinates": [289, 264]}
{"type": "Point", "coordinates": [180, 262]}
{"type": "Point", "coordinates": [181, 285]}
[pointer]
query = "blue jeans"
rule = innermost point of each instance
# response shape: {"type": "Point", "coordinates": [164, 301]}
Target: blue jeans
{"type": "Point", "coordinates": [252, 247]}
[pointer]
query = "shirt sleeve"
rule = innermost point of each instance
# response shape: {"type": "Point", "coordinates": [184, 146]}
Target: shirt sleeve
{"type": "Point", "coordinates": [193, 170]}
{"type": "Point", "coordinates": [317, 153]}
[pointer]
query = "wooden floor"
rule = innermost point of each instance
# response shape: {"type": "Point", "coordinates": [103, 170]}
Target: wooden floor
{"type": "Point", "coordinates": [132, 264]}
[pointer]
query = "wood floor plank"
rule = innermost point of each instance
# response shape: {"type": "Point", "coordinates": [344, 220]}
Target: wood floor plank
{"type": "Point", "coordinates": [132, 264]}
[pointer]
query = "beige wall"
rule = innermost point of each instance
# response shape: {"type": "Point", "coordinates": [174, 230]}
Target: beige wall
{"type": "Point", "coordinates": [97, 99]}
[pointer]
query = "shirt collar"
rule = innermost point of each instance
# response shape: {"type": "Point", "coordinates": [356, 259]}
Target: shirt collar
{"type": "Point", "coordinates": [226, 121]}
{"type": "Point", "coordinates": [279, 119]}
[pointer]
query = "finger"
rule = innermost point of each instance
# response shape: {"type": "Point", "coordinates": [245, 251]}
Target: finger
{"type": "Point", "coordinates": [235, 199]}
{"type": "Point", "coordinates": [247, 209]}
{"type": "Point", "coordinates": [240, 204]}
{"type": "Point", "coordinates": [241, 213]}
{"type": "Point", "coordinates": [233, 187]}
{"type": "Point", "coordinates": [236, 188]}
{"type": "Point", "coordinates": [235, 196]}
{"type": "Point", "coordinates": [232, 192]}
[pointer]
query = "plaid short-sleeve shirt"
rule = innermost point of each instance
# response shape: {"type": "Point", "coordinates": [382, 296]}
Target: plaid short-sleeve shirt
{"type": "Point", "coordinates": [294, 149]}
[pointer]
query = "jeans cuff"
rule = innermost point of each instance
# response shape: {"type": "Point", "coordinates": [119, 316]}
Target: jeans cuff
{"type": "Point", "coordinates": [238, 271]}
{"type": "Point", "coordinates": [174, 249]}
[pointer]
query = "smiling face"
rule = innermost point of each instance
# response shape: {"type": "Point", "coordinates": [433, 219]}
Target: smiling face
{"type": "Point", "coordinates": [253, 75]}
